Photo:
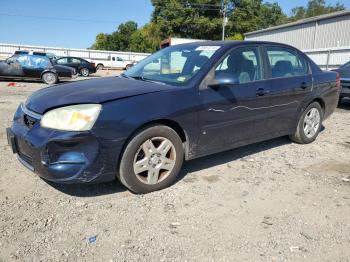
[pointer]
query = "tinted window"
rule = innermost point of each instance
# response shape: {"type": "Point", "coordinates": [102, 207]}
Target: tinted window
{"type": "Point", "coordinates": [285, 62]}
{"type": "Point", "coordinates": [62, 61]}
{"type": "Point", "coordinates": [33, 61]}
{"type": "Point", "coordinates": [244, 63]}
{"type": "Point", "coordinates": [75, 60]}
{"type": "Point", "coordinates": [119, 59]}
{"type": "Point", "coordinates": [173, 65]}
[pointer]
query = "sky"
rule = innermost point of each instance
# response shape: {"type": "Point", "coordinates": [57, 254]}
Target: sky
{"type": "Point", "coordinates": [75, 24]}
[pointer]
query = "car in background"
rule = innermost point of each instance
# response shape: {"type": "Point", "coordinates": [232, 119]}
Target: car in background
{"type": "Point", "coordinates": [23, 52]}
{"type": "Point", "coordinates": [82, 66]}
{"type": "Point", "coordinates": [35, 66]}
{"type": "Point", "coordinates": [344, 72]}
{"type": "Point", "coordinates": [183, 102]}
{"type": "Point", "coordinates": [113, 62]}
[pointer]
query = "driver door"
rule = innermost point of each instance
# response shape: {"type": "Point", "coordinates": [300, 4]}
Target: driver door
{"type": "Point", "coordinates": [235, 114]}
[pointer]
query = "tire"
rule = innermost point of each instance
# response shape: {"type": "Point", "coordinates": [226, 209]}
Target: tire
{"type": "Point", "coordinates": [127, 67]}
{"type": "Point", "coordinates": [309, 124]}
{"type": "Point", "coordinates": [84, 71]}
{"type": "Point", "coordinates": [339, 101]}
{"type": "Point", "coordinates": [140, 170]}
{"type": "Point", "coordinates": [49, 78]}
{"type": "Point", "coordinates": [99, 67]}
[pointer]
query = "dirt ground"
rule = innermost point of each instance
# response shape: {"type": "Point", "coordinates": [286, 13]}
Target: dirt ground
{"type": "Point", "coordinates": [272, 201]}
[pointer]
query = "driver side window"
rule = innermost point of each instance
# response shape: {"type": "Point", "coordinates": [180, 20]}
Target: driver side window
{"type": "Point", "coordinates": [243, 63]}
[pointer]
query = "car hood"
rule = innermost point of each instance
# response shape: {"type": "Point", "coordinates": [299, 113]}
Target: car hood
{"type": "Point", "coordinates": [90, 91]}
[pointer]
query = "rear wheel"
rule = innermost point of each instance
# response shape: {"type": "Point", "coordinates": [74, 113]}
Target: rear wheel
{"type": "Point", "coordinates": [152, 160]}
{"type": "Point", "coordinates": [84, 71]}
{"type": "Point", "coordinates": [309, 124]}
{"type": "Point", "coordinates": [49, 78]}
{"type": "Point", "coordinates": [99, 67]}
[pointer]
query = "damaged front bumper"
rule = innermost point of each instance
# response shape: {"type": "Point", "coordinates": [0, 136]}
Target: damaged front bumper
{"type": "Point", "coordinates": [62, 156]}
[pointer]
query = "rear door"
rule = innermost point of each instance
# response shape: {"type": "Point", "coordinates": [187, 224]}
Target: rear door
{"type": "Point", "coordinates": [236, 114]}
{"type": "Point", "coordinates": [33, 65]}
{"type": "Point", "coordinates": [290, 81]}
{"type": "Point", "coordinates": [74, 62]}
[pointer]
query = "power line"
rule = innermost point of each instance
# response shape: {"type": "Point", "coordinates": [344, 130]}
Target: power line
{"type": "Point", "coordinates": [61, 18]}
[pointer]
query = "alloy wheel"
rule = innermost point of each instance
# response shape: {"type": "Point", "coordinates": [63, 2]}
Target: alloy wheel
{"type": "Point", "coordinates": [154, 160]}
{"type": "Point", "coordinates": [312, 121]}
{"type": "Point", "coordinates": [49, 78]}
{"type": "Point", "coordinates": [84, 72]}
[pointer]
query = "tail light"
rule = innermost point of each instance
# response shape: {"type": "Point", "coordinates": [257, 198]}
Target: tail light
{"type": "Point", "coordinates": [337, 81]}
{"type": "Point", "coordinates": [93, 64]}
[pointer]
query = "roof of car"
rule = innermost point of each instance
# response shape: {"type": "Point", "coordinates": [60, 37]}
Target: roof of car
{"type": "Point", "coordinates": [232, 43]}
{"type": "Point", "coordinates": [71, 57]}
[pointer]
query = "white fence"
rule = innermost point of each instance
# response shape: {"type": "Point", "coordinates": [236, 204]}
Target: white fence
{"type": "Point", "coordinates": [329, 58]}
{"type": "Point", "coordinates": [7, 50]}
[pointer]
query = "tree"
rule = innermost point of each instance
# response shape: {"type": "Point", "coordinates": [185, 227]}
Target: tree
{"type": "Point", "coordinates": [189, 19]}
{"type": "Point", "coordinates": [202, 19]}
{"type": "Point", "coordinates": [251, 15]}
{"type": "Point", "coordinates": [314, 8]}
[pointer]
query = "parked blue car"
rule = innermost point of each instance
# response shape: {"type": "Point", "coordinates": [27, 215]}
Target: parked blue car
{"type": "Point", "coordinates": [183, 102]}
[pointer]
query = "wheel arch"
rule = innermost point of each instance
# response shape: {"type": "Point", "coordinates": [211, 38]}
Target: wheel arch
{"type": "Point", "coordinates": [321, 102]}
{"type": "Point", "coordinates": [166, 122]}
{"type": "Point", "coordinates": [48, 71]}
{"type": "Point", "coordinates": [303, 106]}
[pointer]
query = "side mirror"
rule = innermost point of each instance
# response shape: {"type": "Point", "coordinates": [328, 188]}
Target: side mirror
{"type": "Point", "coordinates": [223, 79]}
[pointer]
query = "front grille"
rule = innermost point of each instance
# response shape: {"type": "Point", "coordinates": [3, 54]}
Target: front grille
{"type": "Point", "coordinates": [29, 121]}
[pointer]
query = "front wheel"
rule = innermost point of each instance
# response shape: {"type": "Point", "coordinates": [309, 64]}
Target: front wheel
{"type": "Point", "coordinates": [151, 160]}
{"type": "Point", "coordinates": [49, 78]}
{"type": "Point", "coordinates": [309, 124]}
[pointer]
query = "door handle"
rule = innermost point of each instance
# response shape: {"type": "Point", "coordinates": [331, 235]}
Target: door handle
{"type": "Point", "coordinates": [261, 92]}
{"type": "Point", "coordinates": [304, 85]}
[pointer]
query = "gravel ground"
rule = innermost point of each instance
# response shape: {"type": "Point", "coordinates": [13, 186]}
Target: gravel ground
{"type": "Point", "coordinates": [271, 201]}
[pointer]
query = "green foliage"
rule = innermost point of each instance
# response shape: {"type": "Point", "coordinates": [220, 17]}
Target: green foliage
{"type": "Point", "coordinates": [237, 36]}
{"type": "Point", "coordinates": [202, 19]}
{"type": "Point", "coordinates": [314, 8]}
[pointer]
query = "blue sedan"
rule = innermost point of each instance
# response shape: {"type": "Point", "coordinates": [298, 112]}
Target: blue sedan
{"type": "Point", "coordinates": [181, 103]}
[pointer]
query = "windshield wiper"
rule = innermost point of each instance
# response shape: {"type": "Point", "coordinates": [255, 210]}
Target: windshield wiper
{"type": "Point", "coordinates": [142, 79]}
{"type": "Point", "coordinates": [126, 76]}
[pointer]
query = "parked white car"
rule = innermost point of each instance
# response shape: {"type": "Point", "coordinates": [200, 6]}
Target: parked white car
{"type": "Point", "coordinates": [113, 62]}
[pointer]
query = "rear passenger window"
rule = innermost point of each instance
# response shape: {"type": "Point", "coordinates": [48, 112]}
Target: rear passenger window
{"type": "Point", "coordinates": [75, 61]}
{"type": "Point", "coordinates": [244, 63]}
{"type": "Point", "coordinates": [285, 62]}
{"type": "Point", "coordinates": [62, 61]}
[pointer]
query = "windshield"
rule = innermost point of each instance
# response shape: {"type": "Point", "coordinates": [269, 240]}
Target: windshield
{"type": "Point", "coordinates": [173, 65]}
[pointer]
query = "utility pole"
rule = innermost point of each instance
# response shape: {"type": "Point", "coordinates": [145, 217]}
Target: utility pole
{"type": "Point", "coordinates": [224, 17]}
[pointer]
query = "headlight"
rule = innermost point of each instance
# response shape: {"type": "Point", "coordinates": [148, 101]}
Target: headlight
{"type": "Point", "coordinates": [72, 118]}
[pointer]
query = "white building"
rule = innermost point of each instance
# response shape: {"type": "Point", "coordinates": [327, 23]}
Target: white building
{"type": "Point", "coordinates": [325, 38]}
